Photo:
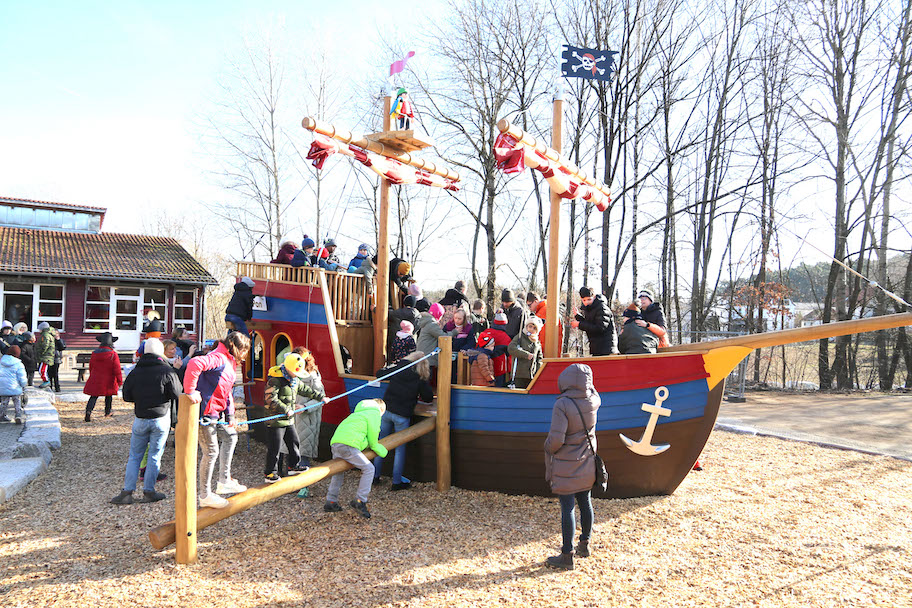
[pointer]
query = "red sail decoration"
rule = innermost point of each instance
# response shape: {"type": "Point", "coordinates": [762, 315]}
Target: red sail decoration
{"type": "Point", "coordinates": [514, 155]}
{"type": "Point", "coordinates": [393, 170]}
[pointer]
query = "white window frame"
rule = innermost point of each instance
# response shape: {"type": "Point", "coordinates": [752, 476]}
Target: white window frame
{"type": "Point", "coordinates": [195, 324]}
{"type": "Point", "coordinates": [36, 307]}
{"type": "Point", "coordinates": [147, 304]}
{"type": "Point", "coordinates": [109, 303]}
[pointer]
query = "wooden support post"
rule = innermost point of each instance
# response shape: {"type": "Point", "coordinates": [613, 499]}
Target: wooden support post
{"type": "Point", "coordinates": [164, 535]}
{"type": "Point", "coordinates": [552, 342]}
{"type": "Point", "coordinates": [444, 377]}
{"type": "Point", "coordinates": [185, 437]}
{"type": "Point", "coordinates": [383, 278]}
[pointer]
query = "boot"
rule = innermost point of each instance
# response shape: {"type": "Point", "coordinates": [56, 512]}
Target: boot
{"type": "Point", "coordinates": [564, 561]}
{"type": "Point", "coordinates": [88, 416]}
{"type": "Point", "coordinates": [124, 498]}
{"type": "Point", "coordinates": [152, 496]}
{"type": "Point", "coordinates": [582, 549]}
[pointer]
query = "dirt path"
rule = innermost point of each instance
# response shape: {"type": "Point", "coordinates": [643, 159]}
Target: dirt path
{"type": "Point", "coordinates": [768, 523]}
{"type": "Point", "coordinates": [869, 422]}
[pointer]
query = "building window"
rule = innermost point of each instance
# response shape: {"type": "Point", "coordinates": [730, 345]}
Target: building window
{"type": "Point", "coordinates": [185, 309]}
{"type": "Point", "coordinates": [50, 305]}
{"type": "Point", "coordinates": [32, 303]}
{"type": "Point", "coordinates": [98, 308]}
{"type": "Point", "coordinates": [157, 300]}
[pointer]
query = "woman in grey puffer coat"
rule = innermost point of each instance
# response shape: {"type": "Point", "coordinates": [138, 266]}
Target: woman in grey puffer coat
{"type": "Point", "coordinates": [569, 461]}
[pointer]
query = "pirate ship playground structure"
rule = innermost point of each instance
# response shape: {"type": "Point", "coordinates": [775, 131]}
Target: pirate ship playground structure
{"type": "Point", "coordinates": [657, 410]}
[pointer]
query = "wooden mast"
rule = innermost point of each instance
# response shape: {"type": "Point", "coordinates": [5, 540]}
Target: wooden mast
{"type": "Point", "coordinates": [383, 278]}
{"type": "Point", "coordinates": [552, 341]}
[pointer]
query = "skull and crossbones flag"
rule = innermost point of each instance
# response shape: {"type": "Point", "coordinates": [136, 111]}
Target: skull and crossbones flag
{"type": "Point", "coordinates": [592, 64]}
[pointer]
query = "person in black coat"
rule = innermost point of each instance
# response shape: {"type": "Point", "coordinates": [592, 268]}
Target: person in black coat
{"type": "Point", "coordinates": [597, 321]}
{"type": "Point", "coordinates": [28, 356]}
{"type": "Point", "coordinates": [516, 314]}
{"type": "Point", "coordinates": [408, 312]}
{"type": "Point", "coordinates": [635, 339]}
{"type": "Point", "coordinates": [153, 387]}
{"type": "Point", "coordinates": [402, 394]}
{"type": "Point", "coordinates": [240, 307]}
{"type": "Point", "coordinates": [400, 273]}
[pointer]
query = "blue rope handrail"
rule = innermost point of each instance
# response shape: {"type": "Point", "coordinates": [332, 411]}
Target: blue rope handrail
{"type": "Point", "coordinates": [345, 394]}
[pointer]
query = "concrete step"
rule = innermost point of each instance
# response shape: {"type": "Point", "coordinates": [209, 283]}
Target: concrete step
{"type": "Point", "coordinates": [17, 473]}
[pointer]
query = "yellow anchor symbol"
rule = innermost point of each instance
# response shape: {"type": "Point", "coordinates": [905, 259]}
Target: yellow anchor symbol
{"type": "Point", "coordinates": [644, 446]}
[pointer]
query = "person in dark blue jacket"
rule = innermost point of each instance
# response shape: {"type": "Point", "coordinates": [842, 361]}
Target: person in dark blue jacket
{"type": "Point", "coordinates": [240, 307]}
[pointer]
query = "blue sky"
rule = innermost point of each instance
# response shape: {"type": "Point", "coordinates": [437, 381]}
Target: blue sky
{"type": "Point", "coordinates": [100, 98]}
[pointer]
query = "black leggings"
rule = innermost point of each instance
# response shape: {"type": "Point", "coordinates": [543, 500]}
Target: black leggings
{"type": "Point", "coordinates": [53, 371]}
{"type": "Point", "coordinates": [275, 436]}
{"type": "Point", "coordinates": [109, 400]}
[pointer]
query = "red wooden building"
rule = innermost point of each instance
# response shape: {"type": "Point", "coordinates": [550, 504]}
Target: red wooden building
{"type": "Point", "coordinates": [57, 266]}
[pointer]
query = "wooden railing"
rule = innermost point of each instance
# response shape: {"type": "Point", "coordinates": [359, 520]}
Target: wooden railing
{"type": "Point", "coordinates": [348, 294]}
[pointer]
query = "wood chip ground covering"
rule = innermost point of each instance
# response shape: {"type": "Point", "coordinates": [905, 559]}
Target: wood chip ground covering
{"type": "Point", "coordinates": [768, 523]}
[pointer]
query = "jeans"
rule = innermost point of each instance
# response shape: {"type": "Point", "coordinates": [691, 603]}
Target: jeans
{"type": "Point", "coordinates": [389, 423]}
{"type": "Point", "coordinates": [568, 521]}
{"type": "Point", "coordinates": [239, 323]}
{"type": "Point", "coordinates": [209, 446]}
{"type": "Point", "coordinates": [360, 461]}
{"type": "Point", "coordinates": [151, 432]}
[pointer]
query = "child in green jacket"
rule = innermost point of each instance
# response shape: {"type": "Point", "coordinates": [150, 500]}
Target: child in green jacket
{"type": "Point", "coordinates": [281, 390]}
{"type": "Point", "coordinates": [353, 435]}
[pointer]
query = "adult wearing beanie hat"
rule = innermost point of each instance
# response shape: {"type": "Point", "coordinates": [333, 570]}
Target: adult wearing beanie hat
{"type": "Point", "coordinates": [596, 319]}
{"type": "Point", "coordinates": [516, 314]}
{"type": "Point", "coordinates": [653, 318]}
{"type": "Point", "coordinates": [240, 307]}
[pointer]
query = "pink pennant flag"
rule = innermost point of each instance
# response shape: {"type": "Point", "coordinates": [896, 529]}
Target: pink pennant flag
{"type": "Point", "coordinates": [398, 66]}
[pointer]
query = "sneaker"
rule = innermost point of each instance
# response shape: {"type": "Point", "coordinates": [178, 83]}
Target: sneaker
{"type": "Point", "coordinates": [142, 474]}
{"type": "Point", "coordinates": [361, 507]}
{"type": "Point", "coordinates": [161, 477]}
{"type": "Point", "coordinates": [124, 498]}
{"type": "Point", "coordinates": [4, 419]}
{"type": "Point", "coordinates": [18, 420]}
{"type": "Point", "coordinates": [44, 385]}
{"type": "Point", "coordinates": [331, 507]}
{"type": "Point", "coordinates": [298, 469]}
{"type": "Point", "coordinates": [152, 496]}
{"type": "Point", "coordinates": [213, 500]}
{"type": "Point", "coordinates": [232, 486]}
{"type": "Point", "coordinates": [271, 478]}
{"type": "Point", "coordinates": [405, 485]}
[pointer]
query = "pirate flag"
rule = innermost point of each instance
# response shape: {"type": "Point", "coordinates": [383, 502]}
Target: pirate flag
{"type": "Point", "coordinates": [592, 64]}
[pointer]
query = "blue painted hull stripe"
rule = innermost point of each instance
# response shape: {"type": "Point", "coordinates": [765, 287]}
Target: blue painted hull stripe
{"type": "Point", "coordinates": [295, 311]}
{"type": "Point", "coordinates": [521, 413]}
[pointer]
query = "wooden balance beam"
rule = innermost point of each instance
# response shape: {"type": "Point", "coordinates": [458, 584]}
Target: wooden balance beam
{"type": "Point", "coordinates": [164, 535]}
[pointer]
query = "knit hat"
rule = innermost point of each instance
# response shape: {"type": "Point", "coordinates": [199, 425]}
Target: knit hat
{"type": "Point", "coordinates": [507, 296]}
{"type": "Point", "coordinates": [363, 246]}
{"type": "Point", "coordinates": [633, 311]}
{"type": "Point", "coordinates": [645, 293]}
{"type": "Point", "coordinates": [329, 243]}
{"type": "Point", "coordinates": [585, 292]}
{"type": "Point", "coordinates": [14, 351]}
{"type": "Point", "coordinates": [248, 282]}
{"type": "Point", "coordinates": [20, 327]}
{"type": "Point", "coordinates": [105, 339]}
{"type": "Point", "coordinates": [43, 325]}
{"type": "Point", "coordinates": [423, 305]}
{"type": "Point", "coordinates": [415, 290]}
{"type": "Point", "coordinates": [6, 324]}
{"type": "Point", "coordinates": [27, 336]}
{"type": "Point", "coordinates": [485, 338]}
{"type": "Point", "coordinates": [307, 243]}
{"type": "Point", "coordinates": [500, 318]}
{"type": "Point", "coordinates": [154, 346]}
{"type": "Point", "coordinates": [405, 329]}
{"type": "Point", "coordinates": [409, 301]}
{"type": "Point", "coordinates": [403, 268]}
{"type": "Point", "coordinates": [436, 310]}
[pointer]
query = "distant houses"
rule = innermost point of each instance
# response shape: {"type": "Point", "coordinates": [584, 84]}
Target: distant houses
{"type": "Point", "coordinates": [56, 265]}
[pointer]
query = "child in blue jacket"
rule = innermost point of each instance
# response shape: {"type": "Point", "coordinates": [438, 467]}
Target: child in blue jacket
{"type": "Point", "coordinates": [12, 383]}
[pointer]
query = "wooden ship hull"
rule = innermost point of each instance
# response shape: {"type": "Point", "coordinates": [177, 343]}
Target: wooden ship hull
{"type": "Point", "coordinates": [497, 434]}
